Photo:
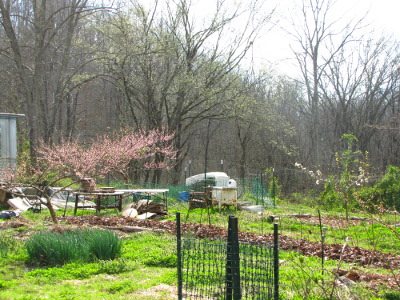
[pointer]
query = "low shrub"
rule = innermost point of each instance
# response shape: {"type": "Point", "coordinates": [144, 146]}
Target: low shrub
{"type": "Point", "coordinates": [385, 192]}
{"type": "Point", "coordinates": [53, 248]}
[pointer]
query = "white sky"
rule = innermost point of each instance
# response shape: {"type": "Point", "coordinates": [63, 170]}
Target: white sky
{"type": "Point", "coordinates": [274, 47]}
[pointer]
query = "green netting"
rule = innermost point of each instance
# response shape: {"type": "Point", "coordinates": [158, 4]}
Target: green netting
{"type": "Point", "coordinates": [255, 190]}
{"type": "Point", "coordinates": [204, 270]}
{"type": "Point", "coordinates": [252, 189]}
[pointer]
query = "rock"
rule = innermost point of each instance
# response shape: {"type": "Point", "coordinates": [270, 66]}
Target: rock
{"type": "Point", "coordinates": [130, 212]}
{"type": "Point", "coordinates": [346, 281]}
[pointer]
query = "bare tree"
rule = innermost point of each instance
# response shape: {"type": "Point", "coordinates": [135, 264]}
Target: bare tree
{"type": "Point", "coordinates": [359, 88]}
{"type": "Point", "coordinates": [39, 36]}
{"type": "Point", "coordinates": [319, 38]}
{"type": "Point", "coordinates": [175, 72]}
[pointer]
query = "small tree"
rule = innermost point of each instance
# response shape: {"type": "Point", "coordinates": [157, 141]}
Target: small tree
{"type": "Point", "coordinates": [352, 173]}
{"type": "Point", "coordinates": [70, 159]}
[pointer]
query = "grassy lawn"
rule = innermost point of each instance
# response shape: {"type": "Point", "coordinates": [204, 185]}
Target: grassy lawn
{"type": "Point", "coordinates": [146, 268]}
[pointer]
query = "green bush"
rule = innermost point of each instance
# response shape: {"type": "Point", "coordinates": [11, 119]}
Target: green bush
{"type": "Point", "coordinates": [329, 199]}
{"type": "Point", "coordinates": [392, 296]}
{"type": "Point", "coordinates": [386, 191]}
{"type": "Point", "coordinates": [52, 248]}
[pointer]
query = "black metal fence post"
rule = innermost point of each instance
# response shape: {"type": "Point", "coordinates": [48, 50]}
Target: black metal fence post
{"type": "Point", "coordinates": [276, 262]}
{"type": "Point", "coordinates": [179, 254]}
{"type": "Point", "coordinates": [233, 290]}
{"type": "Point", "coordinates": [212, 268]}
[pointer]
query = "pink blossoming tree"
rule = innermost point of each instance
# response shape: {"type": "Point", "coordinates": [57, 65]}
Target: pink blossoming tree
{"type": "Point", "coordinates": [108, 154]}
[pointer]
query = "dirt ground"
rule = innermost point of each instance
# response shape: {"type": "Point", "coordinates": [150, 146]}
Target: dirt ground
{"type": "Point", "coordinates": [356, 255]}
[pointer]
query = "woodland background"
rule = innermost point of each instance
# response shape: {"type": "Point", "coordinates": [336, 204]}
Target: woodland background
{"type": "Point", "coordinates": [79, 68]}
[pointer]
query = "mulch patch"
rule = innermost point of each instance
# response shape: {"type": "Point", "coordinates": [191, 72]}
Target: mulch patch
{"type": "Point", "coordinates": [349, 254]}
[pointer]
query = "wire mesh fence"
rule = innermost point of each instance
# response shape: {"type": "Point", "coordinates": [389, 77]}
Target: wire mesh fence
{"type": "Point", "coordinates": [227, 269]}
{"type": "Point", "coordinates": [255, 189]}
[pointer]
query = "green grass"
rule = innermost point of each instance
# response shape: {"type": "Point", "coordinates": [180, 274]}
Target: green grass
{"type": "Point", "coordinates": [147, 263]}
{"type": "Point", "coordinates": [135, 275]}
{"type": "Point", "coordinates": [151, 249]}
{"type": "Point", "coordinates": [369, 235]}
{"type": "Point", "coordinates": [303, 278]}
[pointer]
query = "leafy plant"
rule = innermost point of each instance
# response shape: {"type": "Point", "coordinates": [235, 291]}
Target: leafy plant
{"type": "Point", "coordinates": [7, 244]}
{"type": "Point", "coordinates": [103, 244]}
{"type": "Point", "coordinates": [53, 248]}
{"type": "Point", "coordinates": [385, 192]}
{"type": "Point", "coordinates": [274, 187]}
{"type": "Point", "coordinates": [352, 174]}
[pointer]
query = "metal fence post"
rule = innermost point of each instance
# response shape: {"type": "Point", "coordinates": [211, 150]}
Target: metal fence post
{"type": "Point", "coordinates": [233, 261]}
{"type": "Point", "coordinates": [276, 262]}
{"type": "Point", "coordinates": [179, 254]}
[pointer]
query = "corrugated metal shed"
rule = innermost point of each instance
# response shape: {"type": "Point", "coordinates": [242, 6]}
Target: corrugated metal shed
{"type": "Point", "coordinates": [8, 139]}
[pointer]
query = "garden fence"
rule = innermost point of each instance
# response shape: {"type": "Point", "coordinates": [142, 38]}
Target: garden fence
{"type": "Point", "coordinates": [230, 269]}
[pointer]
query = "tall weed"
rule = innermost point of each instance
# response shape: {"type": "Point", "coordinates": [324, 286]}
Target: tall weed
{"type": "Point", "coordinates": [53, 248]}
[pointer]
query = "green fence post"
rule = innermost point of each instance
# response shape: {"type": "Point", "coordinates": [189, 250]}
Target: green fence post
{"type": "Point", "coordinates": [236, 260]}
{"type": "Point", "coordinates": [276, 263]}
{"type": "Point", "coordinates": [228, 274]}
{"type": "Point", "coordinates": [179, 254]}
{"type": "Point", "coordinates": [233, 261]}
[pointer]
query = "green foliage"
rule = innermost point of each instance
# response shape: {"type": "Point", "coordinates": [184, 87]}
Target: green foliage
{"type": "Point", "coordinates": [116, 266]}
{"type": "Point", "coordinates": [125, 286]}
{"type": "Point", "coordinates": [79, 270]}
{"type": "Point", "coordinates": [392, 296]}
{"type": "Point", "coordinates": [390, 181]}
{"type": "Point", "coordinates": [103, 244]}
{"type": "Point", "coordinates": [52, 248]}
{"type": "Point", "coordinates": [385, 192]}
{"type": "Point", "coordinates": [388, 187]}
{"type": "Point", "coordinates": [72, 270]}
{"type": "Point", "coordinates": [329, 198]}
{"type": "Point", "coordinates": [151, 249]}
{"type": "Point", "coordinates": [7, 245]}
{"type": "Point", "coordinates": [352, 166]}
{"type": "Point", "coordinates": [66, 182]}
{"type": "Point", "coordinates": [302, 277]}
{"type": "Point", "coordinates": [274, 187]}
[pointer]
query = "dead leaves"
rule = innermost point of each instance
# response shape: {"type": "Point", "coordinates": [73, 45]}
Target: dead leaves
{"type": "Point", "coordinates": [355, 255]}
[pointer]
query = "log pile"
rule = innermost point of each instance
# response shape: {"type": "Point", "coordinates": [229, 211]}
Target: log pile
{"type": "Point", "coordinates": [144, 209]}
